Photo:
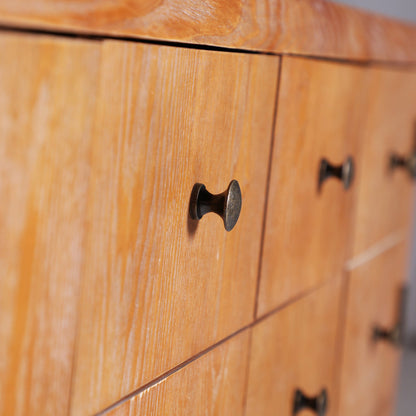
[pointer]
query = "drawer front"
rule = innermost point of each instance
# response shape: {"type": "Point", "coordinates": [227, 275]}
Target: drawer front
{"type": "Point", "coordinates": [307, 229]}
{"type": "Point", "coordinates": [369, 367]}
{"type": "Point", "coordinates": [384, 196]}
{"type": "Point", "coordinates": [46, 107]}
{"type": "Point", "coordinates": [158, 287]}
{"type": "Point", "coordinates": [295, 349]}
{"type": "Point", "coordinates": [214, 384]}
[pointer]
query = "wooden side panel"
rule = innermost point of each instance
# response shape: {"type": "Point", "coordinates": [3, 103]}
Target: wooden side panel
{"type": "Point", "coordinates": [369, 369]}
{"type": "Point", "coordinates": [295, 348]}
{"type": "Point", "coordinates": [47, 102]}
{"type": "Point", "coordinates": [307, 234]}
{"type": "Point", "coordinates": [214, 384]}
{"type": "Point", "coordinates": [158, 287]}
{"type": "Point", "coordinates": [384, 203]}
{"type": "Point", "coordinates": [309, 27]}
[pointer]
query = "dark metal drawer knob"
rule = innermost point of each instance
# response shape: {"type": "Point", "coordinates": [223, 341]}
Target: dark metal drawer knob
{"type": "Point", "coordinates": [227, 204]}
{"type": "Point", "coordinates": [344, 172]}
{"type": "Point", "coordinates": [317, 404]}
{"type": "Point", "coordinates": [392, 336]}
{"type": "Point", "coordinates": [407, 163]}
{"type": "Point", "coordinates": [395, 335]}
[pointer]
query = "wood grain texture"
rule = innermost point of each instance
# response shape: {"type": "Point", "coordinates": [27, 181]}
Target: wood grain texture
{"type": "Point", "coordinates": [295, 348]}
{"type": "Point", "coordinates": [48, 88]}
{"type": "Point", "coordinates": [214, 384]}
{"type": "Point", "coordinates": [369, 369]}
{"type": "Point", "coordinates": [309, 27]}
{"type": "Point", "coordinates": [384, 197]}
{"type": "Point", "coordinates": [307, 232]}
{"type": "Point", "coordinates": [159, 288]}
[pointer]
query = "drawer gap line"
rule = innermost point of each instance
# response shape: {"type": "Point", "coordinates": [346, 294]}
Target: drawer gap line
{"type": "Point", "coordinates": [375, 250]}
{"type": "Point", "coordinates": [267, 191]}
{"type": "Point", "coordinates": [178, 367]}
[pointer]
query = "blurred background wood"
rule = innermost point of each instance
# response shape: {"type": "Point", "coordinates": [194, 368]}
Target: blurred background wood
{"type": "Point", "coordinates": [369, 367]}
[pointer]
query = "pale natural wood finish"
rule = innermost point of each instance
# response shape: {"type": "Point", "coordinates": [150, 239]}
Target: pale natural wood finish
{"type": "Point", "coordinates": [384, 202]}
{"type": "Point", "coordinates": [307, 232]}
{"type": "Point", "coordinates": [157, 290]}
{"type": "Point", "coordinates": [309, 27]}
{"type": "Point", "coordinates": [214, 384]}
{"type": "Point", "coordinates": [295, 348]}
{"type": "Point", "coordinates": [369, 369]}
{"type": "Point", "coordinates": [48, 89]}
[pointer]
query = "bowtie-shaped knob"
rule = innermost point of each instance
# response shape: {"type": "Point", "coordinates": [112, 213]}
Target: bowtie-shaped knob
{"type": "Point", "coordinates": [317, 404]}
{"type": "Point", "coordinates": [227, 204]}
{"type": "Point", "coordinates": [408, 163]}
{"type": "Point", "coordinates": [392, 336]}
{"type": "Point", "coordinates": [343, 172]}
{"type": "Point", "coordinates": [395, 335]}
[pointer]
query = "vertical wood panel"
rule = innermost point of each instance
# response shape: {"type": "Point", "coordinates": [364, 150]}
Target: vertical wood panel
{"type": "Point", "coordinates": [369, 369]}
{"type": "Point", "coordinates": [47, 103]}
{"type": "Point", "coordinates": [295, 348]}
{"type": "Point", "coordinates": [320, 115]}
{"type": "Point", "coordinates": [159, 288]}
{"type": "Point", "coordinates": [384, 198]}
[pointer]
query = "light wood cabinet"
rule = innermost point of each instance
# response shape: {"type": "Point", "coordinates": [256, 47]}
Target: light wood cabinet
{"type": "Point", "coordinates": [113, 299]}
